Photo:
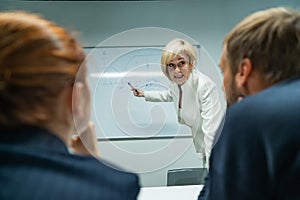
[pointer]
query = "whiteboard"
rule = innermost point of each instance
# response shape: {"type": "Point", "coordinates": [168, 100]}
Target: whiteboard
{"type": "Point", "coordinates": [116, 113]}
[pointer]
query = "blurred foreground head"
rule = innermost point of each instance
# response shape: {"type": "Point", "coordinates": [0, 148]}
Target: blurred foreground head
{"type": "Point", "coordinates": [40, 64]}
{"type": "Point", "coordinates": [260, 51]}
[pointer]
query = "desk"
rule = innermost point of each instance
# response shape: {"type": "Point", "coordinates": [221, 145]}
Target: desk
{"type": "Point", "coordinates": [187, 192]}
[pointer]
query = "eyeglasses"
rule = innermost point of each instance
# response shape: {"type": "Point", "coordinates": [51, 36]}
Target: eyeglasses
{"type": "Point", "coordinates": [180, 64]}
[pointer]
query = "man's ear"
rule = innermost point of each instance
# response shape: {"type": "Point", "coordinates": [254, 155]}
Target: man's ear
{"type": "Point", "coordinates": [77, 101]}
{"type": "Point", "coordinates": [244, 71]}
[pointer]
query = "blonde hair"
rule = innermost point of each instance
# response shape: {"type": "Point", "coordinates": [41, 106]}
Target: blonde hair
{"type": "Point", "coordinates": [37, 60]}
{"type": "Point", "coordinates": [271, 40]}
{"type": "Point", "coordinates": [175, 47]}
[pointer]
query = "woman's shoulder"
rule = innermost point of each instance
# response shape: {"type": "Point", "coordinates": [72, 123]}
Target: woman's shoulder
{"type": "Point", "coordinates": [201, 80]}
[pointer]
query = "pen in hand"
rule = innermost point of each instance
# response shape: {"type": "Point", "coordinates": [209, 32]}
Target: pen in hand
{"type": "Point", "coordinates": [132, 88]}
{"type": "Point", "coordinates": [136, 92]}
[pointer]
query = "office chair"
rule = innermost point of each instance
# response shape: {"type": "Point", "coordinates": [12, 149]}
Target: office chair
{"type": "Point", "coordinates": [186, 176]}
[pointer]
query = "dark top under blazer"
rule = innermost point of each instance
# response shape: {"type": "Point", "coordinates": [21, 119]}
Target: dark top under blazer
{"type": "Point", "coordinates": [257, 155]}
{"type": "Point", "coordinates": [35, 164]}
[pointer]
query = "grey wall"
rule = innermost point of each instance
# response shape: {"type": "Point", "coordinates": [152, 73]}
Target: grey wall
{"type": "Point", "coordinates": [206, 21]}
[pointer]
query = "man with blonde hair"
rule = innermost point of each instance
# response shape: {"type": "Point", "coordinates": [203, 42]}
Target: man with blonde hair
{"type": "Point", "coordinates": [257, 155]}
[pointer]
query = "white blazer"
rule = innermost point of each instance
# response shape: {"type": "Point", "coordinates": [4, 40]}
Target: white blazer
{"type": "Point", "coordinates": [201, 109]}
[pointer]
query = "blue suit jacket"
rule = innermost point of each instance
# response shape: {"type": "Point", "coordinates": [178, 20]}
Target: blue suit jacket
{"type": "Point", "coordinates": [35, 164]}
{"type": "Point", "coordinates": [257, 155]}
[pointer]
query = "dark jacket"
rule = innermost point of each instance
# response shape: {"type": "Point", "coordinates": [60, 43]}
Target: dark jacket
{"type": "Point", "coordinates": [257, 155]}
{"type": "Point", "coordinates": [35, 164]}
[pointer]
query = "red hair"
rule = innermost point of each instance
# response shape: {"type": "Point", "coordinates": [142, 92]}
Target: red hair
{"type": "Point", "coordinates": [37, 60]}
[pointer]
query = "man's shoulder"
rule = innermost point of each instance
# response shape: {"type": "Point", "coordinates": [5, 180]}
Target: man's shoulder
{"type": "Point", "coordinates": [274, 95]}
{"type": "Point", "coordinates": [278, 104]}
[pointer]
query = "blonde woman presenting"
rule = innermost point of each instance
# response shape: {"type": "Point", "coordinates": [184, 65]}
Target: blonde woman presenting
{"type": "Point", "coordinates": [194, 95]}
